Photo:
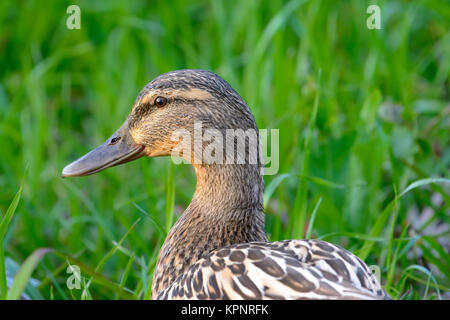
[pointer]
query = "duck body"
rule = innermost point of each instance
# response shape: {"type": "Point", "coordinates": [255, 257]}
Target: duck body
{"type": "Point", "coordinates": [289, 269]}
{"type": "Point", "coordinates": [218, 248]}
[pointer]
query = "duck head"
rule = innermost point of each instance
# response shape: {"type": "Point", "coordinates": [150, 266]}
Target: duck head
{"type": "Point", "coordinates": [173, 101]}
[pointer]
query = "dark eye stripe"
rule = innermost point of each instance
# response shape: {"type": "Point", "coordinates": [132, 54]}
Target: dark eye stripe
{"type": "Point", "coordinates": [140, 111]}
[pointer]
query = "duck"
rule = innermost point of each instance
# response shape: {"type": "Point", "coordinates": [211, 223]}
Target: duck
{"type": "Point", "coordinates": [218, 247]}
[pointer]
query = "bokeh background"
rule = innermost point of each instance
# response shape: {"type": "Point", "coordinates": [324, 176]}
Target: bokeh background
{"type": "Point", "coordinates": [362, 114]}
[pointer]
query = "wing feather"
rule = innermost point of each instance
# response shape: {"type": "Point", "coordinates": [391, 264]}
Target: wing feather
{"type": "Point", "coordinates": [290, 269]}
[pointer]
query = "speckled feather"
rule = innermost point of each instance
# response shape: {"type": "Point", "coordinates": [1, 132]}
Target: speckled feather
{"type": "Point", "coordinates": [290, 269]}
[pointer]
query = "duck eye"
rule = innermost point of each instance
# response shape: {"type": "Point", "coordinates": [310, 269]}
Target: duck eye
{"type": "Point", "coordinates": [160, 102]}
{"type": "Point", "coordinates": [114, 140]}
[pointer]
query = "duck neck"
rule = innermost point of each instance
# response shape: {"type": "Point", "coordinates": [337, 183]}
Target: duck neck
{"type": "Point", "coordinates": [227, 208]}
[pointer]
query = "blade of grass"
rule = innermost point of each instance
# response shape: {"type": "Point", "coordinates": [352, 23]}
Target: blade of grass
{"type": "Point", "coordinates": [152, 220]}
{"type": "Point", "coordinates": [126, 273]}
{"type": "Point", "coordinates": [391, 267]}
{"type": "Point", "coordinates": [382, 219]}
{"type": "Point", "coordinates": [111, 252]}
{"type": "Point", "coordinates": [24, 273]}
{"type": "Point", "coordinates": [170, 197]}
{"type": "Point", "coordinates": [311, 221]}
{"type": "Point", "coordinates": [274, 25]}
{"type": "Point", "coordinates": [443, 254]}
{"type": "Point", "coordinates": [51, 280]}
{"type": "Point", "coordinates": [97, 277]}
{"type": "Point", "coordinates": [438, 262]}
{"type": "Point", "coordinates": [56, 271]}
{"type": "Point", "coordinates": [390, 234]}
{"type": "Point", "coordinates": [441, 286]}
{"type": "Point", "coordinates": [3, 281]}
{"type": "Point", "coordinates": [151, 266]}
{"type": "Point", "coordinates": [3, 228]}
{"type": "Point", "coordinates": [10, 213]}
{"type": "Point", "coordinates": [361, 236]}
{"type": "Point", "coordinates": [271, 187]}
{"type": "Point", "coordinates": [421, 269]}
{"type": "Point", "coordinates": [114, 248]}
{"type": "Point", "coordinates": [299, 212]}
{"type": "Point", "coordinates": [86, 293]}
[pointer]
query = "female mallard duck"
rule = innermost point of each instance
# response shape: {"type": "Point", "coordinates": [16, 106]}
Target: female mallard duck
{"type": "Point", "coordinates": [218, 248]}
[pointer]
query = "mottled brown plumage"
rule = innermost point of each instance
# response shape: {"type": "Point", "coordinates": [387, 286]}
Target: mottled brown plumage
{"type": "Point", "coordinates": [218, 247]}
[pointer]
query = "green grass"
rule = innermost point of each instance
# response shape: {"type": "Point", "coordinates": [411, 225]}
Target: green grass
{"type": "Point", "coordinates": [362, 114]}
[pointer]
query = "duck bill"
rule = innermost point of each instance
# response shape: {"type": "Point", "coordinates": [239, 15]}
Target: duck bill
{"type": "Point", "coordinates": [118, 149]}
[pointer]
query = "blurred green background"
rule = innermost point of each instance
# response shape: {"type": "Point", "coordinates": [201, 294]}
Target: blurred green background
{"type": "Point", "coordinates": [382, 123]}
